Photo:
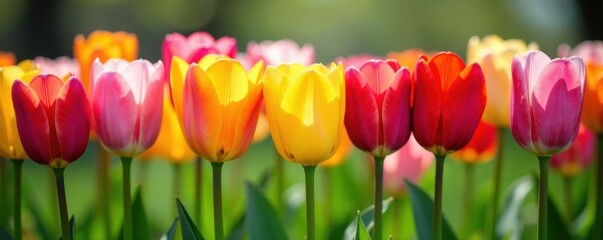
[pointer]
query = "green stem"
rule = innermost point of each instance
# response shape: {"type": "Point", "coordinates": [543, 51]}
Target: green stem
{"type": "Point", "coordinates": [126, 163]}
{"type": "Point", "coordinates": [496, 178]}
{"type": "Point", "coordinates": [309, 175]}
{"type": "Point", "coordinates": [437, 213]}
{"type": "Point", "coordinates": [378, 227]}
{"type": "Point", "coordinates": [60, 180]}
{"type": "Point", "coordinates": [217, 177]}
{"type": "Point", "coordinates": [598, 225]}
{"type": "Point", "coordinates": [104, 194]}
{"type": "Point", "coordinates": [567, 194]}
{"type": "Point", "coordinates": [198, 189]}
{"type": "Point", "coordinates": [3, 194]}
{"type": "Point", "coordinates": [468, 198]}
{"type": "Point", "coordinates": [18, 165]}
{"type": "Point", "coordinates": [543, 189]}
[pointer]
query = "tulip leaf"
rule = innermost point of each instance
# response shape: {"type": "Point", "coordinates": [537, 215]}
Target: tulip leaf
{"type": "Point", "coordinates": [140, 224]}
{"type": "Point", "coordinates": [361, 232]}
{"type": "Point", "coordinates": [367, 215]}
{"type": "Point", "coordinates": [171, 233]}
{"type": "Point", "coordinates": [422, 207]}
{"type": "Point", "coordinates": [189, 230]}
{"type": "Point", "coordinates": [261, 218]}
{"type": "Point", "coordinates": [510, 223]}
{"type": "Point", "coordinates": [557, 229]}
{"type": "Point", "coordinates": [72, 227]}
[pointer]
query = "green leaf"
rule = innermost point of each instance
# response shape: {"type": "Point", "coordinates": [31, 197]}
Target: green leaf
{"type": "Point", "coordinates": [140, 225]}
{"type": "Point", "coordinates": [71, 226]}
{"type": "Point", "coordinates": [367, 215]}
{"type": "Point", "coordinates": [261, 218]}
{"type": "Point", "coordinates": [510, 223]}
{"type": "Point", "coordinates": [169, 235]}
{"type": "Point", "coordinates": [422, 207]}
{"type": "Point", "coordinates": [361, 232]}
{"type": "Point", "coordinates": [189, 230]}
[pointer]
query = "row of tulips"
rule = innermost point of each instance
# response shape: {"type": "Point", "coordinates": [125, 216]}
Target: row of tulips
{"type": "Point", "coordinates": [218, 97]}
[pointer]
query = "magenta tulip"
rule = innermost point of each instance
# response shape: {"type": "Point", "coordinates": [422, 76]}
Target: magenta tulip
{"type": "Point", "coordinates": [546, 102]}
{"type": "Point", "coordinates": [378, 106]}
{"type": "Point", "coordinates": [284, 51]}
{"type": "Point", "coordinates": [53, 119]}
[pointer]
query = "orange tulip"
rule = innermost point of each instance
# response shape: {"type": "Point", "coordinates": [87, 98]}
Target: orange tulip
{"type": "Point", "coordinates": [7, 59]}
{"type": "Point", "coordinates": [408, 58]}
{"type": "Point", "coordinates": [103, 45]}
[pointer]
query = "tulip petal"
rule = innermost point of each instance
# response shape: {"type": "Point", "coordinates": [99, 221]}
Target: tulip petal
{"type": "Point", "coordinates": [362, 115]}
{"type": "Point", "coordinates": [396, 111]}
{"type": "Point", "coordinates": [427, 106]}
{"type": "Point", "coordinates": [177, 76]}
{"type": "Point", "coordinates": [47, 89]}
{"type": "Point", "coordinates": [229, 79]}
{"type": "Point", "coordinates": [533, 62]}
{"type": "Point", "coordinates": [72, 120]}
{"type": "Point", "coordinates": [114, 112]}
{"type": "Point", "coordinates": [463, 108]}
{"type": "Point", "coordinates": [556, 105]}
{"type": "Point", "coordinates": [378, 75]}
{"type": "Point", "coordinates": [32, 123]}
{"type": "Point", "coordinates": [520, 117]}
{"type": "Point", "coordinates": [150, 115]}
{"type": "Point", "coordinates": [446, 67]}
{"type": "Point", "coordinates": [137, 73]}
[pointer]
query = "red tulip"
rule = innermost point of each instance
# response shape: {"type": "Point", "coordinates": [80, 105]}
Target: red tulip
{"type": "Point", "coordinates": [546, 102]}
{"type": "Point", "coordinates": [578, 157]}
{"type": "Point", "coordinates": [482, 147]}
{"type": "Point", "coordinates": [377, 115]}
{"type": "Point", "coordinates": [53, 119]}
{"type": "Point", "coordinates": [449, 101]}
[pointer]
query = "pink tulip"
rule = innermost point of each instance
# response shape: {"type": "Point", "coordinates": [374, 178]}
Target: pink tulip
{"type": "Point", "coordinates": [578, 157]}
{"type": "Point", "coordinates": [377, 115]}
{"type": "Point", "coordinates": [590, 51]}
{"type": "Point", "coordinates": [410, 162]}
{"type": "Point", "coordinates": [280, 52]}
{"type": "Point", "coordinates": [546, 102]}
{"type": "Point", "coordinates": [127, 104]}
{"type": "Point", "coordinates": [356, 60]}
{"type": "Point", "coordinates": [60, 66]}
{"type": "Point", "coordinates": [53, 119]}
{"type": "Point", "coordinates": [194, 47]}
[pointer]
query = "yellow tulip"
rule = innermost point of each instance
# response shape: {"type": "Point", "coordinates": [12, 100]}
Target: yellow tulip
{"type": "Point", "coordinates": [217, 103]}
{"type": "Point", "coordinates": [103, 45]}
{"type": "Point", "coordinates": [495, 55]}
{"type": "Point", "coordinates": [170, 144]}
{"type": "Point", "coordinates": [10, 143]}
{"type": "Point", "coordinates": [305, 107]}
{"type": "Point", "coordinates": [342, 153]}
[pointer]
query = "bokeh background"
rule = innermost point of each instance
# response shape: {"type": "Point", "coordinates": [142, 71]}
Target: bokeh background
{"type": "Point", "coordinates": [31, 28]}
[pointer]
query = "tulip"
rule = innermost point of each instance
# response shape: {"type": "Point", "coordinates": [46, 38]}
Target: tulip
{"type": "Point", "coordinates": [103, 45]}
{"type": "Point", "coordinates": [378, 115]}
{"type": "Point", "coordinates": [408, 58]}
{"type": "Point", "coordinates": [126, 113]}
{"type": "Point", "coordinates": [341, 154]}
{"type": "Point", "coordinates": [409, 162]}
{"type": "Point", "coordinates": [61, 66]}
{"type": "Point", "coordinates": [494, 56]}
{"type": "Point", "coordinates": [53, 119]}
{"type": "Point", "coordinates": [592, 115]}
{"type": "Point", "coordinates": [10, 146]}
{"type": "Point", "coordinates": [545, 111]}
{"type": "Point", "coordinates": [7, 59]}
{"type": "Point", "coordinates": [305, 107]}
{"type": "Point", "coordinates": [356, 60]}
{"type": "Point", "coordinates": [217, 102]}
{"type": "Point", "coordinates": [280, 52]}
{"type": "Point", "coordinates": [449, 101]}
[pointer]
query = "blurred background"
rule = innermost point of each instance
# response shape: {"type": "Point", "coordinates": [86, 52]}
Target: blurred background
{"type": "Point", "coordinates": [31, 28]}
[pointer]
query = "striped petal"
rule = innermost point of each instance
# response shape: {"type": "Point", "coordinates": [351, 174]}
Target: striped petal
{"type": "Point", "coordinates": [520, 116]}
{"type": "Point", "coordinates": [72, 120]}
{"type": "Point", "coordinates": [114, 112]}
{"type": "Point", "coordinates": [396, 112]}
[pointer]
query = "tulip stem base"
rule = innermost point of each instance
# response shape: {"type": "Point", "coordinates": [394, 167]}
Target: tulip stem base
{"type": "Point", "coordinates": [198, 189]}
{"type": "Point", "coordinates": [60, 180]}
{"type": "Point", "coordinates": [543, 191]}
{"type": "Point", "coordinates": [127, 202]}
{"type": "Point", "coordinates": [468, 198]}
{"type": "Point", "coordinates": [18, 165]}
{"type": "Point", "coordinates": [309, 176]}
{"type": "Point", "coordinates": [437, 208]}
{"type": "Point", "coordinates": [496, 178]}
{"type": "Point", "coordinates": [378, 229]}
{"type": "Point", "coordinates": [217, 182]}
